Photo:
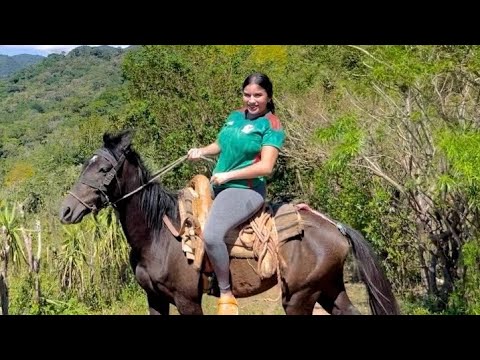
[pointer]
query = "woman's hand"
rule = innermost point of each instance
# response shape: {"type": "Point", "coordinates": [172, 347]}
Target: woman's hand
{"type": "Point", "coordinates": [194, 154]}
{"type": "Point", "coordinates": [220, 178]}
{"type": "Point", "coordinates": [198, 153]}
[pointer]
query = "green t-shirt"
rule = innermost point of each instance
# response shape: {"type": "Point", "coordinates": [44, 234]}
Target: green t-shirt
{"type": "Point", "coordinates": [241, 140]}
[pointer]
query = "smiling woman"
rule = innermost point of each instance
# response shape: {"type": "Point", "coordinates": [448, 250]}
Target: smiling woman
{"type": "Point", "coordinates": [248, 145]}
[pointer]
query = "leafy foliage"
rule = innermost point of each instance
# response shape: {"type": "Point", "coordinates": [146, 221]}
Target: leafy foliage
{"type": "Point", "coordinates": [383, 138]}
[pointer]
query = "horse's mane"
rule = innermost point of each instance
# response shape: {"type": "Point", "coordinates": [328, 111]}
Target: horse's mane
{"type": "Point", "coordinates": [155, 201]}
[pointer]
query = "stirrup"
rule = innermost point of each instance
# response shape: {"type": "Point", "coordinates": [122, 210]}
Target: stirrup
{"type": "Point", "coordinates": [227, 306]}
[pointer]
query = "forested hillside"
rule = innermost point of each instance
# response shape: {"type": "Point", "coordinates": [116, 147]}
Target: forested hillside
{"type": "Point", "coordinates": [383, 138]}
{"type": "Point", "coordinates": [12, 64]}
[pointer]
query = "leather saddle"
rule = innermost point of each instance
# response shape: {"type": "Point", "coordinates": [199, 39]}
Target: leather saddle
{"type": "Point", "coordinates": [258, 238]}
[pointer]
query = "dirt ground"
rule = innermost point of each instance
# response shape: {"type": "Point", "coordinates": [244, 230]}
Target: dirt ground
{"type": "Point", "coordinates": [270, 303]}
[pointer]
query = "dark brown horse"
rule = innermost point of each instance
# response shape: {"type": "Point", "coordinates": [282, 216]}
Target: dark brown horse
{"type": "Point", "coordinates": [315, 260]}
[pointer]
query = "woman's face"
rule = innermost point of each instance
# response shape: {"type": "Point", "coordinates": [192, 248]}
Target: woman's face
{"type": "Point", "coordinates": [255, 99]}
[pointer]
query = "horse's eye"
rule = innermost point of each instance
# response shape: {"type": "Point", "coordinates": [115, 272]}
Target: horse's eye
{"type": "Point", "coordinates": [104, 170]}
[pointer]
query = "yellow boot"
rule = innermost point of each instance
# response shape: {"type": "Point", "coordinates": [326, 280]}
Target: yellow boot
{"type": "Point", "coordinates": [227, 305]}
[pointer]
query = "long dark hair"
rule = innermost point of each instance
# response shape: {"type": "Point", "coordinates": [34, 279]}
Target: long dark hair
{"type": "Point", "coordinates": [263, 81]}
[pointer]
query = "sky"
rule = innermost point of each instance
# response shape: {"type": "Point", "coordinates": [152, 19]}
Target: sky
{"type": "Point", "coordinates": [43, 50]}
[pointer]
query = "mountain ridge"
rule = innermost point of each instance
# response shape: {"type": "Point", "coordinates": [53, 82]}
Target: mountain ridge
{"type": "Point", "coordinates": [11, 64]}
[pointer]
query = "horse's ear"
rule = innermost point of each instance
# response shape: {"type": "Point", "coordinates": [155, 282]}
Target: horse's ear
{"type": "Point", "coordinates": [107, 139]}
{"type": "Point", "coordinates": [126, 139]}
{"type": "Point", "coordinates": [122, 140]}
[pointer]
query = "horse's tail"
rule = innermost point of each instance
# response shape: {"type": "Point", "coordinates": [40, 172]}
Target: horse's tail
{"type": "Point", "coordinates": [381, 298]}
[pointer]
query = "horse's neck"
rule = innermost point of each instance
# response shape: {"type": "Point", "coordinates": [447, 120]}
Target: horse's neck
{"type": "Point", "coordinates": [141, 213]}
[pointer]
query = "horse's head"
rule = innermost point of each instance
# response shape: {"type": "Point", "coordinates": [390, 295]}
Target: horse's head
{"type": "Point", "coordinates": [95, 188]}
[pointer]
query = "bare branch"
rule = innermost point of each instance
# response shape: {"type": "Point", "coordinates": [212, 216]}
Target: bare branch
{"type": "Point", "coordinates": [373, 57]}
{"type": "Point", "coordinates": [388, 98]}
{"type": "Point", "coordinates": [377, 171]}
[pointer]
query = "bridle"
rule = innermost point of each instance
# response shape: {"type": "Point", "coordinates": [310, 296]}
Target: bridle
{"type": "Point", "coordinates": [102, 187]}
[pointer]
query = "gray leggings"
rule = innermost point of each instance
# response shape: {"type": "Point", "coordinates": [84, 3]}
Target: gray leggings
{"type": "Point", "coordinates": [230, 208]}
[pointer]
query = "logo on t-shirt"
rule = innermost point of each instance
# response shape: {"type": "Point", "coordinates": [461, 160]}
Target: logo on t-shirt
{"type": "Point", "coordinates": [247, 129]}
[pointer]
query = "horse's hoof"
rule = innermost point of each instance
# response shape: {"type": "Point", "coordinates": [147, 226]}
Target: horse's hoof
{"type": "Point", "coordinates": [227, 306]}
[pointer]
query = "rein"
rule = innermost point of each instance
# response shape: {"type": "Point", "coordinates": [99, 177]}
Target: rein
{"type": "Point", "coordinates": [159, 173]}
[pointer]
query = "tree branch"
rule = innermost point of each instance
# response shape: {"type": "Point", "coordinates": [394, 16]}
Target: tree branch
{"type": "Point", "coordinates": [377, 171]}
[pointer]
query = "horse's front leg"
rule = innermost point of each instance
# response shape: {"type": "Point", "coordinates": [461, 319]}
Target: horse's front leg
{"type": "Point", "coordinates": [157, 305]}
{"type": "Point", "coordinates": [188, 306]}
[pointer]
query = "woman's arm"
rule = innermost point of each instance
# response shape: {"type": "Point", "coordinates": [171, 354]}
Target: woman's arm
{"type": "Point", "coordinates": [209, 150]}
{"type": "Point", "coordinates": [264, 167]}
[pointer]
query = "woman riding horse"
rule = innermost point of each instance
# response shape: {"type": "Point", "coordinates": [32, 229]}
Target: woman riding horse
{"type": "Point", "coordinates": [115, 175]}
